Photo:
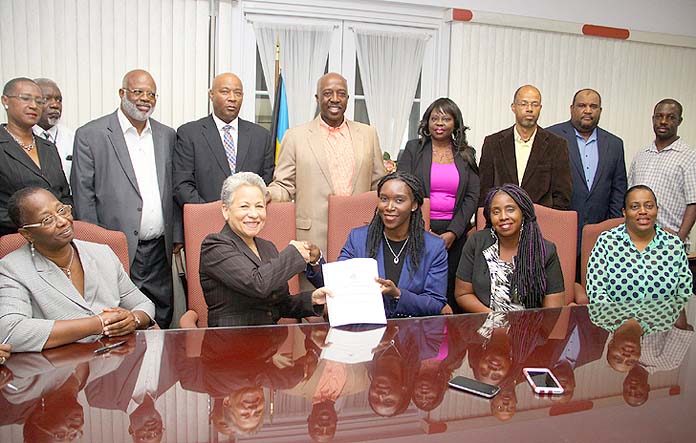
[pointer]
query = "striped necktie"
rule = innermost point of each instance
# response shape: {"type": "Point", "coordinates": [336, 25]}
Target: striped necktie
{"type": "Point", "coordinates": [230, 150]}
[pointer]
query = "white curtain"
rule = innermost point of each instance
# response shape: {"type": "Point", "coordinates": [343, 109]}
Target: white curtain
{"type": "Point", "coordinates": [390, 64]}
{"type": "Point", "coordinates": [87, 46]}
{"type": "Point", "coordinates": [304, 50]}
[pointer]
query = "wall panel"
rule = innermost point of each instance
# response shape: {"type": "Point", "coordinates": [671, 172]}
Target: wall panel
{"type": "Point", "coordinates": [489, 62]}
{"type": "Point", "coordinates": [87, 46]}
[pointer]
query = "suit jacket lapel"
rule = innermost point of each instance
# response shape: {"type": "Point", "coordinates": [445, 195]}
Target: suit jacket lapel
{"type": "Point", "coordinates": [212, 136]}
{"type": "Point", "coordinates": [507, 149]}
{"type": "Point", "coordinates": [426, 152]}
{"type": "Point", "coordinates": [539, 147]}
{"type": "Point", "coordinates": [241, 245]}
{"type": "Point", "coordinates": [15, 151]}
{"type": "Point", "coordinates": [575, 160]}
{"type": "Point", "coordinates": [160, 154]}
{"type": "Point", "coordinates": [316, 145]}
{"type": "Point", "coordinates": [118, 142]}
{"type": "Point", "coordinates": [243, 143]}
{"type": "Point", "coordinates": [54, 277]}
{"type": "Point", "coordinates": [359, 145]}
{"type": "Point", "coordinates": [601, 152]}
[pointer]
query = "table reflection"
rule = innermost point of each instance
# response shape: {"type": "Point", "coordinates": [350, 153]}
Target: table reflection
{"type": "Point", "coordinates": [308, 383]}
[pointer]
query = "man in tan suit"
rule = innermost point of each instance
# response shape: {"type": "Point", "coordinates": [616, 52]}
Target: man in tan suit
{"type": "Point", "coordinates": [329, 155]}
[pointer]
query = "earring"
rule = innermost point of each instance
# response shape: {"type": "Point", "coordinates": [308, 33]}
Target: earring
{"type": "Point", "coordinates": [31, 247]}
{"type": "Point", "coordinates": [495, 237]}
{"type": "Point", "coordinates": [7, 107]}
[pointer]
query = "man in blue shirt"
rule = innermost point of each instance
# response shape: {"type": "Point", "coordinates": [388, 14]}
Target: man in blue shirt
{"type": "Point", "coordinates": [597, 165]}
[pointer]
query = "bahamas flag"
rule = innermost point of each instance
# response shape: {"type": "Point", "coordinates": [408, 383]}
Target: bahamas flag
{"type": "Point", "coordinates": [280, 115]}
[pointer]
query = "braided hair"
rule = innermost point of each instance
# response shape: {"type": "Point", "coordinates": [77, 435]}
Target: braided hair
{"type": "Point", "coordinates": [416, 229]}
{"type": "Point", "coordinates": [529, 277]}
{"type": "Point", "coordinates": [445, 105]}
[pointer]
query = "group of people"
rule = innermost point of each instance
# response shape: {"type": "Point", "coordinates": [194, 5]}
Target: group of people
{"type": "Point", "coordinates": [130, 173]}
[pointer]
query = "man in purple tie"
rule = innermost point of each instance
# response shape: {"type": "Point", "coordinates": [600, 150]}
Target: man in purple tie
{"type": "Point", "coordinates": [209, 150]}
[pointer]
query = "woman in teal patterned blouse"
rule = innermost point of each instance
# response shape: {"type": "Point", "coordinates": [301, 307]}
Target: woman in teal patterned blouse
{"type": "Point", "coordinates": [638, 260]}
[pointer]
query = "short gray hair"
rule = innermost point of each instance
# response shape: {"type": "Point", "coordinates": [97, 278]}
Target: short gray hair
{"type": "Point", "coordinates": [235, 181]}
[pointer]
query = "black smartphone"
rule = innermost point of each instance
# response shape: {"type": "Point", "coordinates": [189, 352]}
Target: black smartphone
{"type": "Point", "coordinates": [107, 348]}
{"type": "Point", "coordinates": [474, 387]}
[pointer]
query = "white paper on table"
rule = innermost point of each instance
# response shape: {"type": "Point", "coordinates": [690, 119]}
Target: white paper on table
{"type": "Point", "coordinates": [351, 346]}
{"type": "Point", "coordinates": [357, 297]}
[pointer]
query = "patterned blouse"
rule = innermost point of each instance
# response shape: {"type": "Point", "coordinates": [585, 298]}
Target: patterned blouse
{"type": "Point", "coordinates": [501, 273]}
{"type": "Point", "coordinates": [618, 272]}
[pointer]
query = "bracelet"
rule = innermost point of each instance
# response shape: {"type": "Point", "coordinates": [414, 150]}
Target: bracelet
{"type": "Point", "coordinates": [316, 263]}
{"type": "Point", "coordinates": [137, 320]}
{"type": "Point", "coordinates": [102, 323]}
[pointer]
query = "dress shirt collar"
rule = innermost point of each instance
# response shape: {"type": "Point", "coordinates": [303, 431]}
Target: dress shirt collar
{"type": "Point", "coordinates": [518, 137]}
{"type": "Point", "coordinates": [221, 124]}
{"type": "Point", "coordinates": [341, 129]}
{"type": "Point", "coordinates": [52, 131]}
{"type": "Point", "coordinates": [657, 241]}
{"type": "Point", "coordinates": [593, 136]}
{"type": "Point", "coordinates": [676, 145]}
{"type": "Point", "coordinates": [127, 125]}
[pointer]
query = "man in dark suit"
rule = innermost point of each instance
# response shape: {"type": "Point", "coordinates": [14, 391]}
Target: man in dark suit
{"type": "Point", "coordinates": [121, 180]}
{"type": "Point", "coordinates": [597, 165]}
{"type": "Point", "coordinates": [527, 155]}
{"type": "Point", "coordinates": [211, 149]}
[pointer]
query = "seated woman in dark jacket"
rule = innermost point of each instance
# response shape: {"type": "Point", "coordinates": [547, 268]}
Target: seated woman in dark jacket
{"type": "Point", "coordinates": [509, 266]}
{"type": "Point", "coordinates": [244, 278]}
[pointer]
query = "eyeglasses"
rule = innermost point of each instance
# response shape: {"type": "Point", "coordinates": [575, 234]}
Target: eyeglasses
{"type": "Point", "coordinates": [525, 104]}
{"type": "Point", "coordinates": [139, 93]}
{"type": "Point", "coordinates": [49, 221]}
{"type": "Point", "coordinates": [24, 98]}
{"type": "Point", "coordinates": [61, 435]}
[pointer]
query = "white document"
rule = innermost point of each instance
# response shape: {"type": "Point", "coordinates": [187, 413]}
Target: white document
{"type": "Point", "coordinates": [351, 346]}
{"type": "Point", "coordinates": [357, 296]}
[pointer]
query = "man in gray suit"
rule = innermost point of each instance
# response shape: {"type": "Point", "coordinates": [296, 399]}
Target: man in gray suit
{"type": "Point", "coordinates": [121, 180]}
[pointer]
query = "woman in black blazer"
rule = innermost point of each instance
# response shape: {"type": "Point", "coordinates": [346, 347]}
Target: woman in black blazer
{"type": "Point", "coordinates": [445, 162]}
{"type": "Point", "coordinates": [26, 160]}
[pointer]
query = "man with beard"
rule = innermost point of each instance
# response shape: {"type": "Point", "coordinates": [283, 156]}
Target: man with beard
{"type": "Point", "coordinates": [597, 165]}
{"type": "Point", "coordinates": [122, 180]}
{"type": "Point", "coordinates": [668, 167]}
{"type": "Point", "coordinates": [48, 126]}
{"type": "Point", "coordinates": [527, 155]}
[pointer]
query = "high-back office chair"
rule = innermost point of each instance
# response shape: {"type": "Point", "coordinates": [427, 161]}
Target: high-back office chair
{"type": "Point", "coordinates": [590, 234]}
{"type": "Point", "coordinates": [203, 219]}
{"type": "Point", "coordinates": [116, 240]}
{"type": "Point", "coordinates": [561, 228]}
{"type": "Point", "coordinates": [348, 212]}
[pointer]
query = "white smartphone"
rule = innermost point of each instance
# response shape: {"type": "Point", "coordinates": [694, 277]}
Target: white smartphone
{"type": "Point", "coordinates": [474, 387]}
{"type": "Point", "coordinates": [543, 381]}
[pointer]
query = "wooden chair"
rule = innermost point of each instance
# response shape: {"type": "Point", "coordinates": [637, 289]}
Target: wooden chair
{"type": "Point", "coordinates": [116, 240]}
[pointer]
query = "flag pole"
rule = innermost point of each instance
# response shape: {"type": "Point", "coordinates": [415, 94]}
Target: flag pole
{"type": "Point", "coordinates": [277, 63]}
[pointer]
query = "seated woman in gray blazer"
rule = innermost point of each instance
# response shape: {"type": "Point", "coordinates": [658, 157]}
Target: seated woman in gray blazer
{"type": "Point", "coordinates": [244, 278]}
{"type": "Point", "coordinates": [57, 290]}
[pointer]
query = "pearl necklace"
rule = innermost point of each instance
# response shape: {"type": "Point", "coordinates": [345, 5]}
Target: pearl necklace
{"type": "Point", "coordinates": [66, 270]}
{"type": "Point", "coordinates": [396, 256]}
{"type": "Point", "coordinates": [26, 147]}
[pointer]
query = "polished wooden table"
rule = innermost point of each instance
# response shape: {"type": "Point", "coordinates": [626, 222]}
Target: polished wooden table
{"type": "Point", "coordinates": [303, 383]}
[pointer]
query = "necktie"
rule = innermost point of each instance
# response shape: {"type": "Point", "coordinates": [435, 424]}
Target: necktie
{"type": "Point", "coordinates": [47, 136]}
{"type": "Point", "coordinates": [230, 150]}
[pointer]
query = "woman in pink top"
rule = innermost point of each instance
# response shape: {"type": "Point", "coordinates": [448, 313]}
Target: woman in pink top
{"type": "Point", "coordinates": [445, 162]}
